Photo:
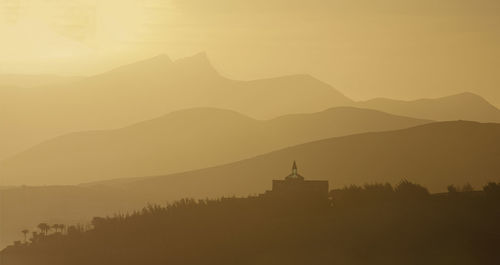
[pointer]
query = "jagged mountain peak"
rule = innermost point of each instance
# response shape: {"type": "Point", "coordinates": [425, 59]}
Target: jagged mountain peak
{"type": "Point", "coordinates": [199, 64]}
{"type": "Point", "coordinates": [157, 62]}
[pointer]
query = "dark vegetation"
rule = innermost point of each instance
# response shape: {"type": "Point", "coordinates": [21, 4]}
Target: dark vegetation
{"type": "Point", "coordinates": [373, 224]}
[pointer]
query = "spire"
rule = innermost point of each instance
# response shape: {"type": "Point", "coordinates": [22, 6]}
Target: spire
{"type": "Point", "coordinates": [294, 168]}
{"type": "Point", "coordinates": [295, 175]}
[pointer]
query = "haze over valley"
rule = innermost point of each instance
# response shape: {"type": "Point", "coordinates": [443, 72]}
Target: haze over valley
{"type": "Point", "coordinates": [249, 132]}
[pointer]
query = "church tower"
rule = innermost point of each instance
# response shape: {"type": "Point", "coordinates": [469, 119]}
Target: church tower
{"type": "Point", "coordinates": [294, 187]}
{"type": "Point", "coordinates": [295, 175]}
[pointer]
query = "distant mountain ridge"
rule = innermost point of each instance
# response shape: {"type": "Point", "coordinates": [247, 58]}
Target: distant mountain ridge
{"type": "Point", "coordinates": [181, 141]}
{"type": "Point", "coordinates": [463, 106]}
{"type": "Point", "coordinates": [152, 87]}
{"type": "Point", "coordinates": [155, 86]}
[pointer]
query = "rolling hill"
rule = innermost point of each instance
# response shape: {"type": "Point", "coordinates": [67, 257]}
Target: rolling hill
{"type": "Point", "coordinates": [148, 89]}
{"type": "Point", "coordinates": [435, 155]}
{"type": "Point", "coordinates": [182, 141]}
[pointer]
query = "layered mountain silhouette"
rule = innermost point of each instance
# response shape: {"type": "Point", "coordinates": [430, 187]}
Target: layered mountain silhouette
{"type": "Point", "coordinates": [153, 87]}
{"type": "Point", "coordinates": [464, 106]}
{"type": "Point", "coordinates": [182, 141]}
{"type": "Point", "coordinates": [145, 90]}
{"type": "Point", "coordinates": [436, 154]}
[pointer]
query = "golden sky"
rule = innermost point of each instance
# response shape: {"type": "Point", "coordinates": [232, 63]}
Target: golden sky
{"type": "Point", "coordinates": [365, 48]}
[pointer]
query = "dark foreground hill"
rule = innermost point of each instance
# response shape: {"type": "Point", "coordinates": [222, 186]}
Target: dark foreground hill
{"type": "Point", "coordinates": [372, 225]}
{"type": "Point", "coordinates": [26, 207]}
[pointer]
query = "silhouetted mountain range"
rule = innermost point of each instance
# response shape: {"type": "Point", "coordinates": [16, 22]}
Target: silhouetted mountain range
{"type": "Point", "coordinates": [153, 87]}
{"type": "Point", "coordinates": [183, 141]}
{"type": "Point", "coordinates": [148, 89]}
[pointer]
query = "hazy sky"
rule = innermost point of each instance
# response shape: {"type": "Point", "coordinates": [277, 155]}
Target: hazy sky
{"type": "Point", "coordinates": [365, 48]}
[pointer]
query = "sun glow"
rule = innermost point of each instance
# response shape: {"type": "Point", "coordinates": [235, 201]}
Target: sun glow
{"type": "Point", "coordinates": [36, 33]}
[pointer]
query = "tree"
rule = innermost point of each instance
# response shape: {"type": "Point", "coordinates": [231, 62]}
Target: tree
{"type": "Point", "coordinates": [44, 228]}
{"type": "Point", "coordinates": [492, 189]}
{"type": "Point", "coordinates": [35, 237]}
{"type": "Point", "coordinates": [467, 188]}
{"type": "Point", "coordinates": [98, 222]}
{"type": "Point", "coordinates": [409, 190]}
{"type": "Point", "coordinates": [25, 233]}
{"type": "Point", "coordinates": [74, 231]}
{"type": "Point", "coordinates": [61, 227]}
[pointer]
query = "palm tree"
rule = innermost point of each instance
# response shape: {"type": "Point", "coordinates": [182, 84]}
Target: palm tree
{"type": "Point", "coordinates": [35, 236]}
{"type": "Point", "coordinates": [44, 228]}
{"type": "Point", "coordinates": [61, 226]}
{"type": "Point", "coordinates": [25, 233]}
{"type": "Point", "coordinates": [55, 227]}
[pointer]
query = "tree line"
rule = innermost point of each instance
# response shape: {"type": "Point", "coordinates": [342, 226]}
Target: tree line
{"type": "Point", "coordinates": [369, 224]}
